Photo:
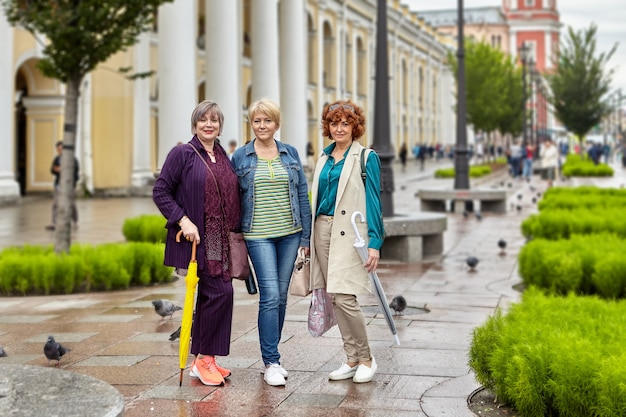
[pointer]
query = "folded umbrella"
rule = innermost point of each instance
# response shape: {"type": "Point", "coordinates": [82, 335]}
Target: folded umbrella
{"type": "Point", "coordinates": [361, 248]}
{"type": "Point", "coordinates": [191, 281]}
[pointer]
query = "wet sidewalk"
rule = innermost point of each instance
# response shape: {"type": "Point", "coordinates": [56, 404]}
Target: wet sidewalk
{"type": "Point", "coordinates": [118, 338]}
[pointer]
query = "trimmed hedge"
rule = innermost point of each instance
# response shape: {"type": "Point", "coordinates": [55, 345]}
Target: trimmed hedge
{"type": "Point", "coordinates": [589, 264]}
{"type": "Point", "coordinates": [586, 197]}
{"type": "Point", "coordinates": [563, 223]}
{"type": "Point", "coordinates": [475, 171]}
{"type": "Point", "coordinates": [555, 356]}
{"type": "Point", "coordinates": [145, 228]}
{"type": "Point", "coordinates": [575, 166]}
{"type": "Point", "coordinates": [38, 270]}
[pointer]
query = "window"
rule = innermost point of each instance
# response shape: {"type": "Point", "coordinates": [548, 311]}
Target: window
{"type": "Point", "coordinates": [529, 3]}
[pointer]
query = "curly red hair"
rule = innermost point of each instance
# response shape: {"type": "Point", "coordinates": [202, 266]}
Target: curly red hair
{"type": "Point", "coordinates": [334, 112]}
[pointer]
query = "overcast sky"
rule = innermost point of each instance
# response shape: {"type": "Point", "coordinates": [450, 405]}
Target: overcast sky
{"type": "Point", "coordinates": [608, 15]}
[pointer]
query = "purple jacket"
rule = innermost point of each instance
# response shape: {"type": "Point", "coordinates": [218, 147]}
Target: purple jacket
{"type": "Point", "coordinates": [178, 192]}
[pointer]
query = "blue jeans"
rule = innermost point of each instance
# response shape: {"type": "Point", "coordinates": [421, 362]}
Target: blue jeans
{"type": "Point", "coordinates": [528, 168]}
{"type": "Point", "coordinates": [273, 263]}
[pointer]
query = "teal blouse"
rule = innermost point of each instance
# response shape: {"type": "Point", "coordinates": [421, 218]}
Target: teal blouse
{"type": "Point", "coordinates": [327, 193]}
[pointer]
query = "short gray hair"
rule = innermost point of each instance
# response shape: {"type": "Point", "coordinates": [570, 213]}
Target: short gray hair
{"type": "Point", "coordinates": [207, 106]}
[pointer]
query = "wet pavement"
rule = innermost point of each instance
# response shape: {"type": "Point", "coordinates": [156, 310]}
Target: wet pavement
{"type": "Point", "coordinates": [118, 338]}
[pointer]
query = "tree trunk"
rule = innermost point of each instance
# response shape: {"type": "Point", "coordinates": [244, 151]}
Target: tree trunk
{"type": "Point", "coordinates": [67, 195]}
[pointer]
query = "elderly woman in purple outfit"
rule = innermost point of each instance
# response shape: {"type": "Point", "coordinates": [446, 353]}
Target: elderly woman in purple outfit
{"type": "Point", "coordinates": [198, 193]}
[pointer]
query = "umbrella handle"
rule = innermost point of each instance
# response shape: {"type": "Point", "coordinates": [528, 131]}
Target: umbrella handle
{"type": "Point", "coordinates": [353, 218]}
{"type": "Point", "coordinates": [193, 246]}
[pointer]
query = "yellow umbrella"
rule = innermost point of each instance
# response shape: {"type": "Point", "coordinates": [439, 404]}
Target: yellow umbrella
{"type": "Point", "coordinates": [191, 281]}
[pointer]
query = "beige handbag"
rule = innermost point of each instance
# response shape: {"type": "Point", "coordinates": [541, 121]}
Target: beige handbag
{"type": "Point", "coordinates": [300, 277]}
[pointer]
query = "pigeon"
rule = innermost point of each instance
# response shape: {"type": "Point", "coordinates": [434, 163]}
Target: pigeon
{"type": "Point", "coordinates": [165, 308]}
{"type": "Point", "coordinates": [472, 261]}
{"type": "Point", "coordinates": [534, 200]}
{"type": "Point", "coordinates": [54, 350]}
{"type": "Point", "coordinates": [518, 207]}
{"type": "Point", "coordinates": [502, 244]}
{"type": "Point", "coordinates": [531, 188]}
{"type": "Point", "coordinates": [479, 216]}
{"type": "Point", "coordinates": [465, 213]}
{"type": "Point", "coordinates": [539, 195]}
{"type": "Point", "coordinates": [175, 335]}
{"type": "Point", "coordinates": [3, 354]}
{"type": "Point", "coordinates": [398, 304]}
{"type": "Point", "coordinates": [519, 196]}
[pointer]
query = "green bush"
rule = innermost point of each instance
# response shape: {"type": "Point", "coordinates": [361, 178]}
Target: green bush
{"type": "Point", "coordinates": [576, 167]}
{"type": "Point", "coordinates": [562, 223]}
{"type": "Point", "coordinates": [145, 228]}
{"type": "Point", "coordinates": [584, 264]}
{"type": "Point", "coordinates": [587, 197]}
{"type": "Point", "coordinates": [475, 171]}
{"type": "Point", "coordinates": [555, 356]}
{"type": "Point", "coordinates": [36, 270]}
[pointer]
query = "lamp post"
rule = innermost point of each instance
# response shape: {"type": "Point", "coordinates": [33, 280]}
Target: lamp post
{"type": "Point", "coordinates": [523, 54]}
{"type": "Point", "coordinates": [382, 121]}
{"type": "Point", "coordinates": [534, 102]}
{"type": "Point", "coordinates": [461, 163]}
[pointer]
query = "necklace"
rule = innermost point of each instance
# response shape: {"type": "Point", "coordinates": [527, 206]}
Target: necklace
{"type": "Point", "coordinates": [211, 156]}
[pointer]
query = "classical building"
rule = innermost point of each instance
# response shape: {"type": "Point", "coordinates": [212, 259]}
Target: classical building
{"type": "Point", "coordinates": [301, 53]}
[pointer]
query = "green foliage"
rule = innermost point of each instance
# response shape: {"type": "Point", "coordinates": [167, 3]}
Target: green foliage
{"type": "Point", "coordinates": [589, 264]}
{"type": "Point", "coordinates": [493, 88]}
{"type": "Point", "coordinates": [586, 197]}
{"type": "Point", "coordinates": [555, 356]}
{"type": "Point", "coordinates": [561, 224]}
{"type": "Point", "coordinates": [145, 228]}
{"type": "Point", "coordinates": [581, 81]}
{"type": "Point", "coordinates": [81, 34]}
{"type": "Point", "coordinates": [575, 166]}
{"type": "Point", "coordinates": [475, 171]}
{"type": "Point", "coordinates": [32, 270]}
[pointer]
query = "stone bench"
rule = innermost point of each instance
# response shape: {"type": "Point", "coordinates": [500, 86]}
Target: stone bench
{"type": "Point", "coordinates": [490, 200]}
{"type": "Point", "coordinates": [27, 390]}
{"type": "Point", "coordinates": [410, 238]}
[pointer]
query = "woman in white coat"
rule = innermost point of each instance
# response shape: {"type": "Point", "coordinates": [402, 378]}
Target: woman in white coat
{"type": "Point", "coordinates": [338, 190]}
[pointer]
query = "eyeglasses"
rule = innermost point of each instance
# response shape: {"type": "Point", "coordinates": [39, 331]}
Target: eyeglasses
{"type": "Point", "coordinates": [344, 106]}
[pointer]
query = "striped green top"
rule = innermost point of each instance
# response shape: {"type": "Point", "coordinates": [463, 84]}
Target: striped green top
{"type": "Point", "coordinates": [272, 208]}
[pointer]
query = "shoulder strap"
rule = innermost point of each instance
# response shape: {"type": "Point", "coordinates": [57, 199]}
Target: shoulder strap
{"type": "Point", "coordinates": [219, 194]}
{"type": "Point", "coordinates": [363, 162]}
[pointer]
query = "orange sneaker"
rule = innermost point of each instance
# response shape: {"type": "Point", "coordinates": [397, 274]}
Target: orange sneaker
{"type": "Point", "coordinates": [225, 372]}
{"type": "Point", "coordinates": [207, 371]}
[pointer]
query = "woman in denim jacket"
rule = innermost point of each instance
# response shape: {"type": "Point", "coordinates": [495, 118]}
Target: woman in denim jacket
{"type": "Point", "coordinates": [276, 222]}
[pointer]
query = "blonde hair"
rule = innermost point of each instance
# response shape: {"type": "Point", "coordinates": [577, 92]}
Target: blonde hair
{"type": "Point", "coordinates": [266, 106]}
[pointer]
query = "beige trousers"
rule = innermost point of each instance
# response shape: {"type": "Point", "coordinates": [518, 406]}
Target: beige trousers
{"type": "Point", "coordinates": [347, 310]}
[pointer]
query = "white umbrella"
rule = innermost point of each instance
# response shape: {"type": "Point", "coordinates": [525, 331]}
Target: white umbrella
{"type": "Point", "coordinates": [361, 248]}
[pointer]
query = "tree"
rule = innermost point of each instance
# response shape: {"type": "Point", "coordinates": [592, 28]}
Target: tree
{"type": "Point", "coordinates": [493, 89]}
{"type": "Point", "coordinates": [79, 35]}
{"type": "Point", "coordinates": [581, 82]}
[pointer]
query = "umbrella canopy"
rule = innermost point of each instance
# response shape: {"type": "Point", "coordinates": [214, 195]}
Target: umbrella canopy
{"type": "Point", "coordinates": [361, 248]}
{"type": "Point", "coordinates": [191, 281]}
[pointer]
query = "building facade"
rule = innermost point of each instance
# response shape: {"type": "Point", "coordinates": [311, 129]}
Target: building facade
{"type": "Point", "coordinates": [301, 53]}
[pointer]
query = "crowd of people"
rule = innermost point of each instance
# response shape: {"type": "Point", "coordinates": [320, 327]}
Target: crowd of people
{"type": "Point", "coordinates": [261, 190]}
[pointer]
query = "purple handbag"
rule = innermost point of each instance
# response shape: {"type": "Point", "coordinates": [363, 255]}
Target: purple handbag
{"type": "Point", "coordinates": [321, 312]}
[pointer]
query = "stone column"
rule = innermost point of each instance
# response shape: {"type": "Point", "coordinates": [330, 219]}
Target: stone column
{"type": "Point", "coordinates": [223, 64]}
{"type": "Point", "coordinates": [176, 73]}
{"type": "Point", "coordinates": [142, 173]}
{"type": "Point", "coordinates": [264, 42]}
{"type": "Point", "coordinates": [9, 188]}
{"type": "Point", "coordinates": [293, 67]}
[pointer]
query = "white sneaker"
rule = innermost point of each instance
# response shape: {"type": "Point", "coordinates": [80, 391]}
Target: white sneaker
{"type": "Point", "coordinates": [283, 371]}
{"type": "Point", "coordinates": [365, 373]}
{"type": "Point", "coordinates": [343, 372]}
{"type": "Point", "coordinates": [273, 376]}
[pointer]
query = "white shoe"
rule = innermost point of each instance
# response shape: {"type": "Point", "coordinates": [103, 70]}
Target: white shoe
{"type": "Point", "coordinates": [343, 372]}
{"type": "Point", "coordinates": [273, 376]}
{"type": "Point", "coordinates": [283, 371]}
{"type": "Point", "coordinates": [365, 373]}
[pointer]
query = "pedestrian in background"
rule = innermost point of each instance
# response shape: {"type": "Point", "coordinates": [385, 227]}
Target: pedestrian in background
{"type": "Point", "coordinates": [276, 222]}
{"type": "Point", "coordinates": [549, 160]}
{"type": "Point", "coordinates": [404, 151]}
{"type": "Point", "coordinates": [338, 191]}
{"type": "Point", "coordinates": [198, 193]}
{"type": "Point", "coordinates": [55, 169]}
{"type": "Point", "coordinates": [528, 153]}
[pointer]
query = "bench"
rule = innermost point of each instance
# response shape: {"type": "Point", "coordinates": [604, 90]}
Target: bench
{"type": "Point", "coordinates": [437, 200]}
{"type": "Point", "coordinates": [413, 237]}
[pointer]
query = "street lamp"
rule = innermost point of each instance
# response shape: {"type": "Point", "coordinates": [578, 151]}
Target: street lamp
{"type": "Point", "coordinates": [523, 54]}
{"type": "Point", "coordinates": [461, 163]}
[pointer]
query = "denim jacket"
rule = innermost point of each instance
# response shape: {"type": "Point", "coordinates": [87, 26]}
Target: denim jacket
{"type": "Point", "coordinates": [244, 162]}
